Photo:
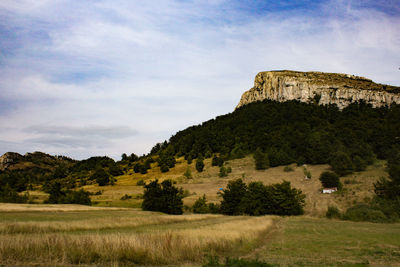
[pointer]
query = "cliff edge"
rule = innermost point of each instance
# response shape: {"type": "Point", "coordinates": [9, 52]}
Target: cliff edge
{"type": "Point", "coordinates": [325, 88]}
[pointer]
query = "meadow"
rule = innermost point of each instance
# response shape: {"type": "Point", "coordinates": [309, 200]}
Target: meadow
{"type": "Point", "coordinates": [96, 236]}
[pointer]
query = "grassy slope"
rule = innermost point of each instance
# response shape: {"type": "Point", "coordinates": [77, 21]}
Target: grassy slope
{"type": "Point", "coordinates": [208, 182]}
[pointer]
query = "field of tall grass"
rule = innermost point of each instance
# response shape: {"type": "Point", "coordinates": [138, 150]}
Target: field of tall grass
{"type": "Point", "coordinates": [122, 237]}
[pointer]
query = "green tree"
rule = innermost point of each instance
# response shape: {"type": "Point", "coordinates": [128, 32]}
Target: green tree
{"type": "Point", "coordinates": [330, 179]}
{"type": "Point", "coordinates": [200, 206]}
{"type": "Point", "coordinates": [163, 197]}
{"type": "Point", "coordinates": [341, 163]}
{"type": "Point", "coordinates": [101, 177]}
{"type": "Point", "coordinates": [232, 196]}
{"type": "Point", "coordinates": [200, 163]}
{"type": "Point", "coordinates": [261, 160]}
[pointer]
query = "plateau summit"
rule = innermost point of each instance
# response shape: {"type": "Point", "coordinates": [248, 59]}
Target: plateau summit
{"type": "Point", "coordinates": [323, 88]}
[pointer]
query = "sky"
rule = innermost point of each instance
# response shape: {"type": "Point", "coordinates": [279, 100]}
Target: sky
{"type": "Point", "coordinates": [94, 78]}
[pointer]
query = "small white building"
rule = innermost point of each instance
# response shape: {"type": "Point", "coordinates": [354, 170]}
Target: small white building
{"type": "Point", "coordinates": [329, 190]}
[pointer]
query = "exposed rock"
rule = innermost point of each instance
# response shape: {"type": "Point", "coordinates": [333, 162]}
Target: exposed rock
{"type": "Point", "coordinates": [9, 159]}
{"type": "Point", "coordinates": [325, 88]}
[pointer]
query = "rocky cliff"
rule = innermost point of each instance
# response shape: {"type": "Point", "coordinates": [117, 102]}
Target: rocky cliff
{"type": "Point", "coordinates": [325, 88]}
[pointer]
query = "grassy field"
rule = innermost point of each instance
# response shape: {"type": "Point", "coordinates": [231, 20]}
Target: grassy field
{"type": "Point", "coordinates": [96, 236]}
{"type": "Point", "coordinates": [122, 237]}
{"type": "Point", "coordinates": [306, 241]}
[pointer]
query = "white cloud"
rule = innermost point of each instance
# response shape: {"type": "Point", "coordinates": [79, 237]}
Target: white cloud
{"type": "Point", "coordinates": [158, 68]}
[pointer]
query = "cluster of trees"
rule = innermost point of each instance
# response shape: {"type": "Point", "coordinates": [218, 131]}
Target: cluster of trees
{"type": "Point", "coordinates": [259, 199]}
{"type": "Point", "coordinates": [237, 199]}
{"type": "Point", "coordinates": [164, 197]}
{"type": "Point", "coordinates": [59, 195]}
{"type": "Point", "coordinates": [298, 132]}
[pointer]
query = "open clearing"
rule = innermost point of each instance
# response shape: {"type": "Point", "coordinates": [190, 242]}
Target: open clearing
{"type": "Point", "coordinates": [134, 237]}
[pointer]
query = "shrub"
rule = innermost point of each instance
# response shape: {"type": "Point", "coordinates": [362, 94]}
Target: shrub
{"type": "Point", "coordinates": [307, 173]}
{"type": "Point", "coordinates": [333, 212]}
{"type": "Point", "coordinates": [229, 169]}
{"type": "Point", "coordinates": [164, 168]}
{"type": "Point", "coordinates": [126, 197]}
{"type": "Point", "coordinates": [199, 164]}
{"type": "Point", "coordinates": [217, 161]}
{"type": "Point", "coordinates": [363, 212]}
{"type": "Point", "coordinates": [140, 182]}
{"type": "Point", "coordinates": [200, 206]}
{"type": "Point", "coordinates": [188, 173]}
{"type": "Point", "coordinates": [330, 179]}
{"type": "Point", "coordinates": [222, 172]}
{"type": "Point", "coordinates": [288, 169]}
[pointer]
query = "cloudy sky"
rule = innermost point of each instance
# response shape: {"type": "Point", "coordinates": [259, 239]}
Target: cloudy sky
{"type": "Point", "coordinates": [84, 78]}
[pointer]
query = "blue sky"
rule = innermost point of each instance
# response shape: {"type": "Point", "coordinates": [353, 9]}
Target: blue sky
{"type": "Point", "coordinates": [84, 78]}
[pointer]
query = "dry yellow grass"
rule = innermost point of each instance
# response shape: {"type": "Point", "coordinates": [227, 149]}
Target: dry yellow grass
{"type": "Point", "coordinates": [122, 238]}
{"type": "Point", "coordinates": [11, 207]}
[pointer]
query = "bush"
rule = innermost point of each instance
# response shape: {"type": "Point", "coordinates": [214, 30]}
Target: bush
{"type": "Point", "coordinates": [333, 212]}
{"type": "Point", "coordinates": [229, 169]}
{"type": "Point", "coordinates": [222, 172]}
{"type": "Point", "coordinates": [330, 179]}
{"type": "Point", "coordinates": [199, 164]}
{"type": "Point", "coordinates": [363, 212]}
{"type": "Point", "coordinates": [217, 161]}
{"type": "Point", "coordinates": [126, 197]}
{"type": "Point", "coordinates": [188, 173]}
{"type": "Point", "coordinates": [164, 168]}
{"type": "Point", "coordinates": [163, 197]}
{"type": "Point", "coordinates": [140, 182]}
{"type": "Point", "coordinates": [288, 169]}
{"type": "Point", "coordinates": [200, 206]}
{"type": "Point", "coordinates": [232, 197]}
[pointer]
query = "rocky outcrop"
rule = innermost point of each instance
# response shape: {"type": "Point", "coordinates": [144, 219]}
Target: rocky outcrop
{"type": "Point", "coordinates": [8, 159]}
{"type": "Point", "coordinates": [324, 88]}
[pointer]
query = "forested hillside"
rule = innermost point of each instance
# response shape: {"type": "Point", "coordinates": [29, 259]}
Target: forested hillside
{"type": "Point", "coordinates": [294, 132]}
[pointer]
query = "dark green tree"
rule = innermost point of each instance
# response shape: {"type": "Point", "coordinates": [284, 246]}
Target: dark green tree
{"type": "Point", "coordinates": [200, 163]}
{"type": "Point", "coordinates": [341, 163]}
{"type": "Point", "coordinates": [101, 177]}
{"type": "Point", "coordinates": [232, 196]}
{"type": "Point", "coordinates": [163, 197]}
{"type": "Point", "coordinates": [200, 206]}
{"type": "Point", "coordinates": [330, 179]}
{"type": "Point", "coordinates": [261, 160]}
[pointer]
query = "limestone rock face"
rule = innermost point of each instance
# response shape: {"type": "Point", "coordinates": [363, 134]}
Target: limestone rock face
{"type": "Point", "coordinates": [8, 159]}
{"type": "Point", "coordinates": [325, 88]}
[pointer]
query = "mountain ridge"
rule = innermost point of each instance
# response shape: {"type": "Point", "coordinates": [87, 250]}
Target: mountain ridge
{"type": "Point", "coordinates": [320, 87]}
